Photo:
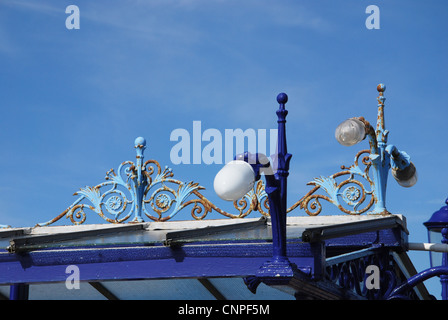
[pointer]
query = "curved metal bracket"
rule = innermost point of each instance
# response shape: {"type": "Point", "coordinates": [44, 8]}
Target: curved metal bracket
{"type": "Point", "coordinates": [398, 293]}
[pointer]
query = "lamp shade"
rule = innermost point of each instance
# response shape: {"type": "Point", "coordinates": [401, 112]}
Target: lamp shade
{"type": "Point", "coordinates": [350, 132]}
{"type": "Point", "coordinates": [406, 177]}
{"type": "Point", "coordinates": [234, 180]}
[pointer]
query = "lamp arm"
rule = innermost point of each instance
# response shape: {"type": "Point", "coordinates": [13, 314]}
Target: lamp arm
{"type": "Point", "coordinates": [399, 160]}
{"type": "Point", "coordinates": [261, 165]}
{"type": "Point", "coordinates": [370, 133]}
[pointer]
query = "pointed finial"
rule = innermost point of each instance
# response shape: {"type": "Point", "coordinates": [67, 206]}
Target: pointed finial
{"type": "Point", "coordinates": [381, 88]}
{"type": "Point", "coordinates": [381, 132]}
{"type": "Point", "coordinates": [140, 142]}
{"type": "Point", "coordinates": [140, 145]}
{"type": "Point", "coordinates": [282, 98]}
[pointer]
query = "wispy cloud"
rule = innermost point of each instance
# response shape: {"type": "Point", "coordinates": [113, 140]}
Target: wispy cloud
{"type": "Point", "coordinates": [40, 6]}
{"type": "Point", "coordinates": [292, 16]}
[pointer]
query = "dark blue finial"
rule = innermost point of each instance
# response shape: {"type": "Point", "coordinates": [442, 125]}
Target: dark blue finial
{"type": "Point", "coordinates": [282, 98]}
{"type": "Point", "coordinates": [439, 219]}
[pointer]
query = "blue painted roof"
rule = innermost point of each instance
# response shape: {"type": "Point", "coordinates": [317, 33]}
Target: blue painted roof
{"type": "Point", "coordinates": [170, 260]}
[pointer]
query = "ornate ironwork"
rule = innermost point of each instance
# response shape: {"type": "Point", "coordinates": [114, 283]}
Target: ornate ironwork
{"type": "Point", "coordinates": [353, 195]}
{"type": "Point", "coordinates": [144, 189]}
{"type": "Point", "coordinates": [351, 275]}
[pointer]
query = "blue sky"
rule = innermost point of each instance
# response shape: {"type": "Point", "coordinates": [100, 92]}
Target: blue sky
{"type": "Point", "coordinates": [73, 101]}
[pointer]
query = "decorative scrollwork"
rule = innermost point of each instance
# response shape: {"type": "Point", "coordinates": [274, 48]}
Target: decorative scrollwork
{"type": "Point", "coordinates": [351, 275]}
{"type": "Point", "coordinates": [77, 214]}
{"type": "Point", "coordinates": [351, 195]}
{"type": "Point", "coordinates": [113, 203]}
{"type": "Point", "coordinates": [145, 189]}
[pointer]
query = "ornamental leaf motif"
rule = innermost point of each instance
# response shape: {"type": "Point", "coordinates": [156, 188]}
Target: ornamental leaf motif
{"type": "Point", "coordinates": [145, 189]}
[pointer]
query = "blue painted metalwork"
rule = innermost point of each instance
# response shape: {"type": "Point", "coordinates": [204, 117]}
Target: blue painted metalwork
{"type": "Point", "coordinates": [279, 268]}
{"type": "Point", "coordinates": [138, 186]}
{"type": "Point", "coordinates": [146, 262]}
{"type": "Point", "coordinates": [19, 291]}
{"type": "Point", "coordinates": [444, 276]}
{"type": "Point", "coordinates": [353, 196]}
{"type": "Point", "coordinates": [439, 219]}
{"type": "Point", "coordinates": [400, 291]}
{"type": "Point", "coordinates": [127, 259]}
{"type": "Point", "coordinates": [437, 223]}
{"type": "Point", "coordinates": [281, 163]}
{"type": "Point", "coordinates": [350, 273]}
{"type": "Point", "coordinates": [144, 189]}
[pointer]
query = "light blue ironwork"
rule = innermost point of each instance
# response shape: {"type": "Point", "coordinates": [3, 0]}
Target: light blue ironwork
{"type": "Point", "coordinates": [360, 195]}
{"type": "Point", "coordinates": [130, 190]}
{"type": "Point", "coordinates": [143, 188]}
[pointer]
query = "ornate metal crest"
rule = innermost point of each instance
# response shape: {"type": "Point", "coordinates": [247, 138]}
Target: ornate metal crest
{"type": "Point", "coordinates": [363, 185]}
{"type": "Point", "coordinates": [353, 195]}
{"type": "Point", "coordinates": [144, 189]}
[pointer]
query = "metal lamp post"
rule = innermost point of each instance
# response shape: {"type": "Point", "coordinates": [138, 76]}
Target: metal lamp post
{"type": "Point", "coordinates": [437, 227]}
{"type": "Point", "coordinates": [238, 176]}
{"type": "Point", "coordinates": [382, 155]}
{"type": "Point", "coordinates": [230, 185]}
